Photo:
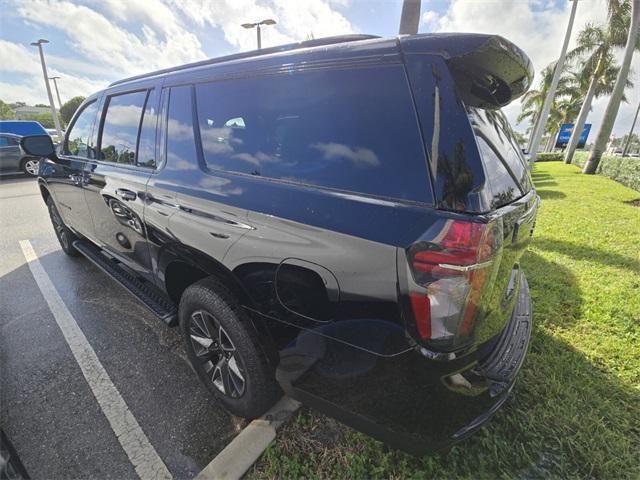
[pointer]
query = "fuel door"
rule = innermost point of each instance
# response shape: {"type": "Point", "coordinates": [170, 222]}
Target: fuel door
{"type": "Point", "coordinates": [307, 290]}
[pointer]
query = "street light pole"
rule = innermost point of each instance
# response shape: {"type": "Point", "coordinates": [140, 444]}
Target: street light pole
{"type": "Point", "coordinates": [628, 142]}
{"type": "Point", "coordinates": [54, 114]}
{"type": "Point", "coordinates": [256, 25]}
{"type": "Point", "coordinates": [546, 107]}
{"type": "Point", "coordinates": [259, 39]}
{"type": "Point", "coordinates": [55, 84]}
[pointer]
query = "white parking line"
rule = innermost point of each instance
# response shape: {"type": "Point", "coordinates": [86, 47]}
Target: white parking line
{"type": "Point", "coordinates": [144, 458]}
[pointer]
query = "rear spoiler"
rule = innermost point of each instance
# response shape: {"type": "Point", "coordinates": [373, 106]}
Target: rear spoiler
{"type": "Point", "coordinates": [489, 71]}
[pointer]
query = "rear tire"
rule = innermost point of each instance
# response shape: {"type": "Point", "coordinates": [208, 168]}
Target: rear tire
{"type": "Point", "coordinates": [30, 166]}
{"type": "Point", "coordinates": [65, 236]}
{"type": "Point", "coordinates": [224, 350]}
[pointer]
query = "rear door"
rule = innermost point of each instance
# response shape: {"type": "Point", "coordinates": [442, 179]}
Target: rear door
{"type": "Point", "coordinates": [117, 178]}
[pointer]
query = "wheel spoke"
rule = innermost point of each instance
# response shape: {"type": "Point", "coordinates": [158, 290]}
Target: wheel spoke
{"type": "Point", "coordinates": [236, 377]}
{"type": "Point", "coordinates": [203, 342]}
{"type": "Point", "coordinates": [233, 366]}
{"type": "Point", "coordinates": [224, 341]}
{"type": "Point", "coordinates": [229, 386]}
{"type": "Point", "coordinates": [199, 325]}
{"type": "Point", "coordinates": [218, 375]}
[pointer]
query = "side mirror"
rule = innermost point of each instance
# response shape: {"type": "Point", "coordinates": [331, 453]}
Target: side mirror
{"type": "Point", "coordinates": [38, 146]}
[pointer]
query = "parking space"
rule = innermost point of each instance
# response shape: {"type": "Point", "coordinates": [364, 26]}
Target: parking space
{"type": "Point", "coordinates": [48, 410]}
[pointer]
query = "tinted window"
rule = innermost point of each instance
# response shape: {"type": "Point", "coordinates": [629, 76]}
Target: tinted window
{"type": "Point", "coordinates": [79, 140]}
{"type": "Point", "coordinates": [181, 146]}
{"type": "Point", "coordinates": [120, 127]}
{"type": "Point", "coordinates": [147, 142]}
{"type": "Point", "coordinates": [352, 129]}
{"type": "Point", "coordinates": [504, 189]}
{"type": "Point", "coordinates": [4, 142]}
{"type": "Point", "coordinates": [493, 127]}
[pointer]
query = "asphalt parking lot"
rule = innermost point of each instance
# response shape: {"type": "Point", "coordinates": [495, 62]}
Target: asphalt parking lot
{"type": "Point", "coordinates": [48, 410]}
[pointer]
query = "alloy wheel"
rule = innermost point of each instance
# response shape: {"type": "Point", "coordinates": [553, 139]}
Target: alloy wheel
{"type": "Point", "coordinates": [217, 354]}
{"type": "Point", "coordinates": [31, 167]}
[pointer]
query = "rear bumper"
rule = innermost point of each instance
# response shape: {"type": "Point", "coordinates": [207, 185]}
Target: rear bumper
{"type": "Point", "coordinates": [502, 365]}
{"type": "Point", "coordinates": [406, 400]}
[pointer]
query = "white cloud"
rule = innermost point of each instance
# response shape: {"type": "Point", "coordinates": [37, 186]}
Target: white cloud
{"type": "Point", "coordinates": [296, 20]}
{"type": "Point", "coordinates": [97, 37]}
{"type": "Point", "coordinates": [430, 19]}
{"type": "Point", "coordinates": [31, 89]}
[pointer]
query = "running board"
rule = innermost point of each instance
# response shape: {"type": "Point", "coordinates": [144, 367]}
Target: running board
{"type": "Point", "coordinates": [154, 299]}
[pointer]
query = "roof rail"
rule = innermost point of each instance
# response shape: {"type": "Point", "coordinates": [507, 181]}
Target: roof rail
{"type": "Point", "coordinates": [254, 53]}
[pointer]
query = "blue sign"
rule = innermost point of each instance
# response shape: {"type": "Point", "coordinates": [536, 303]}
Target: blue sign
{"type": "Point", "coordinates": [566, 129]}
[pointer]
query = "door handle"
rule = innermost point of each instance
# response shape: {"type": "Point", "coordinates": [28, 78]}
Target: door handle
{"type": "Point", "coordinates": [125, 194]}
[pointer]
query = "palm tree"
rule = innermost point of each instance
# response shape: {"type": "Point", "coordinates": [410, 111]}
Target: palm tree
{"type": "Point", "coordinates": [564, 110]}
{"type": "Point", "coordinates": [617, 15]}
{"type": "Point", "coordinates": [533, 100]}
{"type": "Point", "coordinates": [598, 70]}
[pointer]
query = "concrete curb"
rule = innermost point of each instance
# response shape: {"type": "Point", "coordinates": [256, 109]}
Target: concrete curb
{"type": "Point", "coordinates": [237, 457]}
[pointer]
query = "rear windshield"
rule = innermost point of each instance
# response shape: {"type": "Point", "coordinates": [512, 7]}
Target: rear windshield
{"type": "Point", "coordinates": [504, 165]}
{"type": "Point", "coordinates": [352, 130]}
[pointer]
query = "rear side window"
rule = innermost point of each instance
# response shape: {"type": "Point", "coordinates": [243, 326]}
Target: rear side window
{"type": "Point", "coordinates": [505, 167]}
{"type": "Point", "coordinates": [120, 127]}
{"type": "Point", "coordinates": [352, 129]}
{"type": "Point", "coordinates": [80, 141]}
{"type": "Point", "coordinates": [147, 143]}
{"type": "Point", "coordinates": [181, 145]}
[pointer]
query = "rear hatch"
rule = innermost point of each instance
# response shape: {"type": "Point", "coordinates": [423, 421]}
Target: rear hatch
{"type": "Point", "coordinates": [462, 275]}
{"type": "Point", "coordinates": [514, 205]}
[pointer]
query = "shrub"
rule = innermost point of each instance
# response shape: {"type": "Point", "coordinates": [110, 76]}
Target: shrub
{"type": "Point", "coordinates": [625, 170]}
{"type": "Point", "coordinates": [550, 157]}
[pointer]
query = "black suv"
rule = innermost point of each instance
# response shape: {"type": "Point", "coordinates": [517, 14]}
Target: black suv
{"type": "Point", "coordinates": [341, 219]}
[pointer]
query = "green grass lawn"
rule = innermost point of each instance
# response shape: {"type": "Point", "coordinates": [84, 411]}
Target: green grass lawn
{"type": "Point", "coordinates": [575, 410]}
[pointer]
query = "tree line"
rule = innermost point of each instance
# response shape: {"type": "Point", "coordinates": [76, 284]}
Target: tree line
{"type": "Point", "coordinates": [45, 119]}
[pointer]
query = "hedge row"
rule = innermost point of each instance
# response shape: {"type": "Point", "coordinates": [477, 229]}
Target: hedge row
{"type": "Point", "coordinates": [550, 157]}
{"type": "Point", "coordinates": [625, 170]}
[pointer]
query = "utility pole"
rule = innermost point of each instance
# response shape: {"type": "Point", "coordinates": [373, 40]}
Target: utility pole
{"type": "Point", "coordinates": [256, 25]}
{"type": "Point", "coordinates": [628, 142]}
{"type": "Point", "coordinates": [54, 113]}
{"type": "Point", "coordinates": [546, 107]}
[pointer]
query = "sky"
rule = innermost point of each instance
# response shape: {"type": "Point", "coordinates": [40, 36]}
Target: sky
{"type": "Point", "coordinates": [94, 42]}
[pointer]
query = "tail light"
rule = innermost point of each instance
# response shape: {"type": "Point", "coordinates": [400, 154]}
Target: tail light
{"type": "Point", "coordinates": [453, 274]}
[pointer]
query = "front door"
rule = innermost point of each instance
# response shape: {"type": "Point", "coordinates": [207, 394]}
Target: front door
{"type": "Point", "coordinates": [66, 177]}
{"type": "Point", "coordinates": [117, 179]}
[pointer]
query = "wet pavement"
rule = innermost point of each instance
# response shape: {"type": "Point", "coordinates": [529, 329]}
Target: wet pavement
{"type": "Point", "coordinates": [47, 408]}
